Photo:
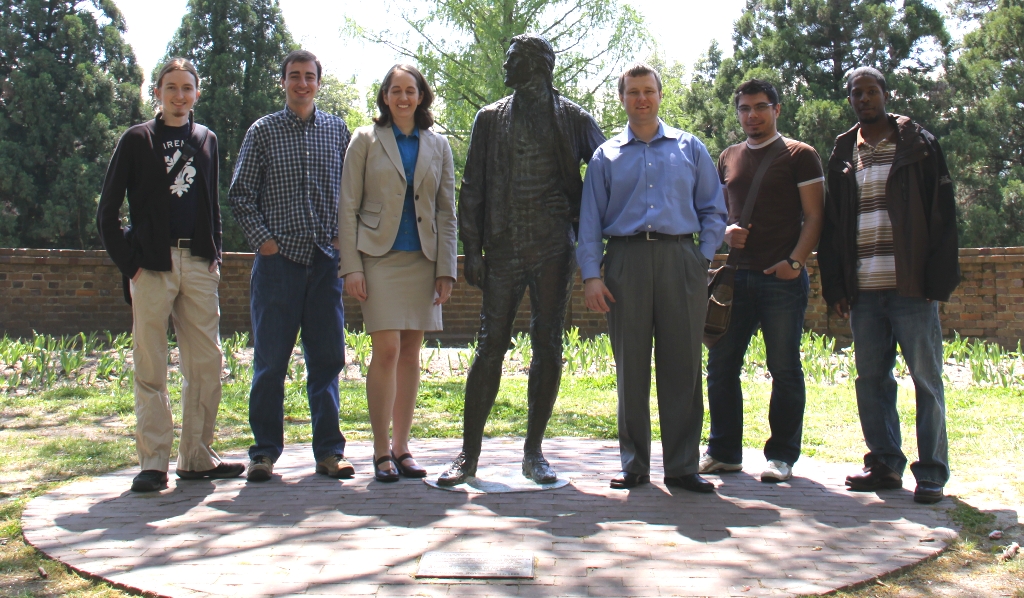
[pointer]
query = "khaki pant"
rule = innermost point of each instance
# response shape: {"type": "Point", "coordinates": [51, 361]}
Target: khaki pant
{"type": "Point", "coordinates": [188, 294]}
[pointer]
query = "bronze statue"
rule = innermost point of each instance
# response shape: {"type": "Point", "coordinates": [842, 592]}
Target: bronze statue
{"type": "Point", "coordinates": [518, 205]}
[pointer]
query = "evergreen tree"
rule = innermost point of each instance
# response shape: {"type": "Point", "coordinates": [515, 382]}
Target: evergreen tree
{"type": "Point", "coordinates": [986, 141]}
{"type": "Point", "coordinates": [806, 48]}
{"type": "Point", "coordinates": [69, 86]}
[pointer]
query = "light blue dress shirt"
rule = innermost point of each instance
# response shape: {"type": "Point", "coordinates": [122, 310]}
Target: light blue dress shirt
{"type": "Point", "coordinates": [408, 238]}
{"type": "Point", "coordinates": [669, 185]}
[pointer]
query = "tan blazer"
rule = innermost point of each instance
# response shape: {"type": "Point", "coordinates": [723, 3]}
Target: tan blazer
{"type": "Point", "coordinates": [373, 193]}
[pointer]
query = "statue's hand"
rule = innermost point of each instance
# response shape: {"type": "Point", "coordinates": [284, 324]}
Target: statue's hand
{"type": "Point", "coordinates": [475, 269]}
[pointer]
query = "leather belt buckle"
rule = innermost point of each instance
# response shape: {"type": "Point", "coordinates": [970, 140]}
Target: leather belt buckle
{"type": "Point", "coordinates": [648, 237]}
{"type": "Point", "coordinates": [183, 243]}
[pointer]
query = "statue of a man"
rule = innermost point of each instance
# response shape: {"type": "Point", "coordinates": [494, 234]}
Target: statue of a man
{"type": "Point", "coordinates": [519, 201]}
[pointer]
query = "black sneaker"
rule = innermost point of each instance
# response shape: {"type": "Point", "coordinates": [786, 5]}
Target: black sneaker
{"type": "Point", "coordinates": [150, 480]}
{"type": "Point", "coordinates": [222, 471]}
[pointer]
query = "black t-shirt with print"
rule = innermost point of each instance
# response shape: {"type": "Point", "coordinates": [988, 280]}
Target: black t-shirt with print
{"type": "Point", "coordinates": [185, 190]}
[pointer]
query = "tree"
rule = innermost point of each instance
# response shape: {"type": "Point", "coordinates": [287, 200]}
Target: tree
{"type": "Point", "coordinates": [342, 99]}
{"type": "Point", "coordinates": [237, 47]}
{"type": "Point", "coordinates": [460, 47]}
{"type": "Point", "coordinates": [806, 48]}
{"type": "Point", "coordinates": [69, 86]}
{"type": "Point", "coordinates": [986, 140]}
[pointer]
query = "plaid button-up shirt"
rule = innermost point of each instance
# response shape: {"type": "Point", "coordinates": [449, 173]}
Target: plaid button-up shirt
{"type": "Point", "coordinates": [287, 180]}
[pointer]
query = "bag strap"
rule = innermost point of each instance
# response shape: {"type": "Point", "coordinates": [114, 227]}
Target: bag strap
{"type": "Point", "coordinates": [190, 149]}
{"type": "Point", "coordinates": [755, 184]}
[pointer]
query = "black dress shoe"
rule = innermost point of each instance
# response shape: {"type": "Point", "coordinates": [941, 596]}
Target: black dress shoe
{"type": "Point", "coordinates": [928, 493]}
{"type": "Point", "coordinates": [221, 472]}
{"type": "Point", "coordinates": [409, 471]}
{"type": "Point", "coordinates": [692, 482]}
{"type": "Point", "coordinates": [537, 468]}
{"type": "Point", "coordinates": [149, 480]}
{"type": "Point", "coordinates": [877, 477]}
{"type": "Point", "coordinates": [381, 475]}
{"type": "Point", "coordinates": [461, 469]}
{"type": "Point", "coordinates": [629, 480]}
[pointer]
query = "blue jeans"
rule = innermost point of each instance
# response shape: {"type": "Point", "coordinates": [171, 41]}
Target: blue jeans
{"type": "Point", "coordinates": [880, 320]}
{"type": "Point", "coordinates": [778, 306]}
{"type": "Point", "coordinates": [286, 297]}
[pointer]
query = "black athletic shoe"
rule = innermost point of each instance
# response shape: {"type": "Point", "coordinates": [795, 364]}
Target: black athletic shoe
{"type": "Point", "coordinates": [150, 480]}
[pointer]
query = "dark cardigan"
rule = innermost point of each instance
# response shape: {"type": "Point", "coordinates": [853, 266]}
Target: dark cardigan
{"type": "Point", "coordinates": [138, 170]}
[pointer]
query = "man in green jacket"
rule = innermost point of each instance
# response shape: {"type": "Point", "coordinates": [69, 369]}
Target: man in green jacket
{"type": "Point", "coordinates": [888, 255]}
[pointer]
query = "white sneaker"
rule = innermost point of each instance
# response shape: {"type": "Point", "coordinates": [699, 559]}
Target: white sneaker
{"type": "Point", "coordinates": [709, 464]}
{"type": "Point", "coordinates": [776, 471]}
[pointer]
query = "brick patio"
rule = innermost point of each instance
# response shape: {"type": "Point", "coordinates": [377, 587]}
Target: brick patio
{"type": "Point", "coordinates": [301, 533]}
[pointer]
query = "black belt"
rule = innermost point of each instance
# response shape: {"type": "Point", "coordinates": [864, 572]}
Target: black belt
{"type": "Point", "coordinates": [181, 243]}
{"type": "Point", "coordinates": [654, 236]}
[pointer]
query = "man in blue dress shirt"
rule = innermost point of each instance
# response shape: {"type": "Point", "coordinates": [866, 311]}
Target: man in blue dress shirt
{"type": "Point", "coordinates": [653, 191]}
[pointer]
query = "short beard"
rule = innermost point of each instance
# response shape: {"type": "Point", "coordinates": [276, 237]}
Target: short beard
{"type": "Point", "coordinates": [872, 120]}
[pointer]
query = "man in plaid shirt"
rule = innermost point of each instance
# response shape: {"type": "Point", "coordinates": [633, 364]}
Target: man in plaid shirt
{"type": "Point", "coordinates": [284, 195]}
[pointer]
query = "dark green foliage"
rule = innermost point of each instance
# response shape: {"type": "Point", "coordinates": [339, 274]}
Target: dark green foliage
{"type": "Point", "coordinates": [237, 47]}
{"type": "Point", "coordinates": [69, 86]}
{"type": "Point", "coordinates": [805, 48]}
{"type": "Point", "coordinates": [986, 139]}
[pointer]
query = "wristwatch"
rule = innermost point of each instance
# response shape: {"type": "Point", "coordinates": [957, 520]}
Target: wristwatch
{"type": "Point", "coordinates": [794, 264]}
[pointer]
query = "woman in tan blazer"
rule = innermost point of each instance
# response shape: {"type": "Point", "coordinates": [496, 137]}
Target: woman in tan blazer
{"type": "Point", "coordinates": [396, 229]}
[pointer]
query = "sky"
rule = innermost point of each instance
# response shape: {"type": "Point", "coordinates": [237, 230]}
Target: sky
{"type": "Point", "coordinates": [316, 25]}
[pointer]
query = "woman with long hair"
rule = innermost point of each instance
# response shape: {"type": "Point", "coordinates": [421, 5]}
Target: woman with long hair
{"type": "Point", "coordinates": [396, 229]}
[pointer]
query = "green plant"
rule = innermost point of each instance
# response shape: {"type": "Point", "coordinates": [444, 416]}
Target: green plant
{"type": "Point", "coordinates": [362, 346]}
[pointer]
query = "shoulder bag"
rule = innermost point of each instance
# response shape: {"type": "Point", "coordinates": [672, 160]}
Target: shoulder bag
{"type": "Point", "coordinates": [721, 280]}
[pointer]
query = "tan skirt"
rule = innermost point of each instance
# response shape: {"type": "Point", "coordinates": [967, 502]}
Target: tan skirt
{"type": "Point", "coordinates": [400, 292]}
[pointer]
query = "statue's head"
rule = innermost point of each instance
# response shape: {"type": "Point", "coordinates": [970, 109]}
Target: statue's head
{"type": "Point", "coordinates": [529, 58]}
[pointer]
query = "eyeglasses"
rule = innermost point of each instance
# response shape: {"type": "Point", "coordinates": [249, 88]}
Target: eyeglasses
{"type": "Point", "coordinates": [758, 108]}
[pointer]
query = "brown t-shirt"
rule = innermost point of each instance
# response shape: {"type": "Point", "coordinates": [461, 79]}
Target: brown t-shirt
{"type": "Point", "coordinates": [778, 214]}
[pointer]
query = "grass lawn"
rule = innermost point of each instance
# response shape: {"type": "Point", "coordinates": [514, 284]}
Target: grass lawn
{"type": "Point", "coordinates": [72, 431]}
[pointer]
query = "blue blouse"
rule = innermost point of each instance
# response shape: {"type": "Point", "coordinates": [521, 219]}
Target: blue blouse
{"type": "Point", "coordinates": [408, 238]}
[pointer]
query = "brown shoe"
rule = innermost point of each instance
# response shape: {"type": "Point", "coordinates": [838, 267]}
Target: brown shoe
{"type": "Point", "coordinates": [336, 466]}
{"type": "Point", "coordinates": [876, 477]}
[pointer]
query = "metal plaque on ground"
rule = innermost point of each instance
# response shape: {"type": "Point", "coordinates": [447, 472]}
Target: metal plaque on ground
{"type": "Point", "coordinates": [477, 565]}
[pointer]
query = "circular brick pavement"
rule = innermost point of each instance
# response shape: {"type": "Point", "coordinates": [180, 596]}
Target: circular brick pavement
{"type": "Point", "coordinates": [302, 533]}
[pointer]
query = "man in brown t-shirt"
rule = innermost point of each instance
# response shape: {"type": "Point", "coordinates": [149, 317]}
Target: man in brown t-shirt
{"type": "Point", "coordinates": [771, 283]}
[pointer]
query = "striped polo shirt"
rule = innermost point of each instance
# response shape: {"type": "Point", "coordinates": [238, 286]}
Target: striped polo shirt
{"type": "Point", "coordinates": [876, 266]}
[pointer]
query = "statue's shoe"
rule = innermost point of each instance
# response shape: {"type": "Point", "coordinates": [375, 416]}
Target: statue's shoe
{"type": "Point", "coordinates": [461, 469]}
{"type": "Point", "coordinates": [537, 468]}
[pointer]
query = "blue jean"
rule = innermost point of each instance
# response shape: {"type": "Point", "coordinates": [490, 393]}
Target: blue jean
{"type": "Point", "coordinates": [880, 320]}
{"type": "Point", "coordinates": [778, 306]}
{"type": "Point", "coordinates": [286, 297]}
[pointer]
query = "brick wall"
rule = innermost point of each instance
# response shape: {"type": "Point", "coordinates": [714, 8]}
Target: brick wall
{"type": "Point", "coordinates": [66, 291]}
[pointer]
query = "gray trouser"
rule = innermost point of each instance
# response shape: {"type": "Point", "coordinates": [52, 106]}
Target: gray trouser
{"type": "Point", "coordinates": [660, 287]}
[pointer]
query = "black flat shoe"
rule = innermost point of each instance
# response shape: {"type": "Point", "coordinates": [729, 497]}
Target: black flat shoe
{"type": "Point", "coordinates": [877, 477]}
{"type": "Point", "coordinates": [381, 475]}
{"type": "Point", "coordinates": [928, 493]}
{"type": "Point", "coordinates": [149, 480]}
{"type": "Point", "coordinates": [692, 482]}
{"type": "Point", "coordinates": [629, 480]}
{"type": "Point", "coordinates": [409, 471]}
